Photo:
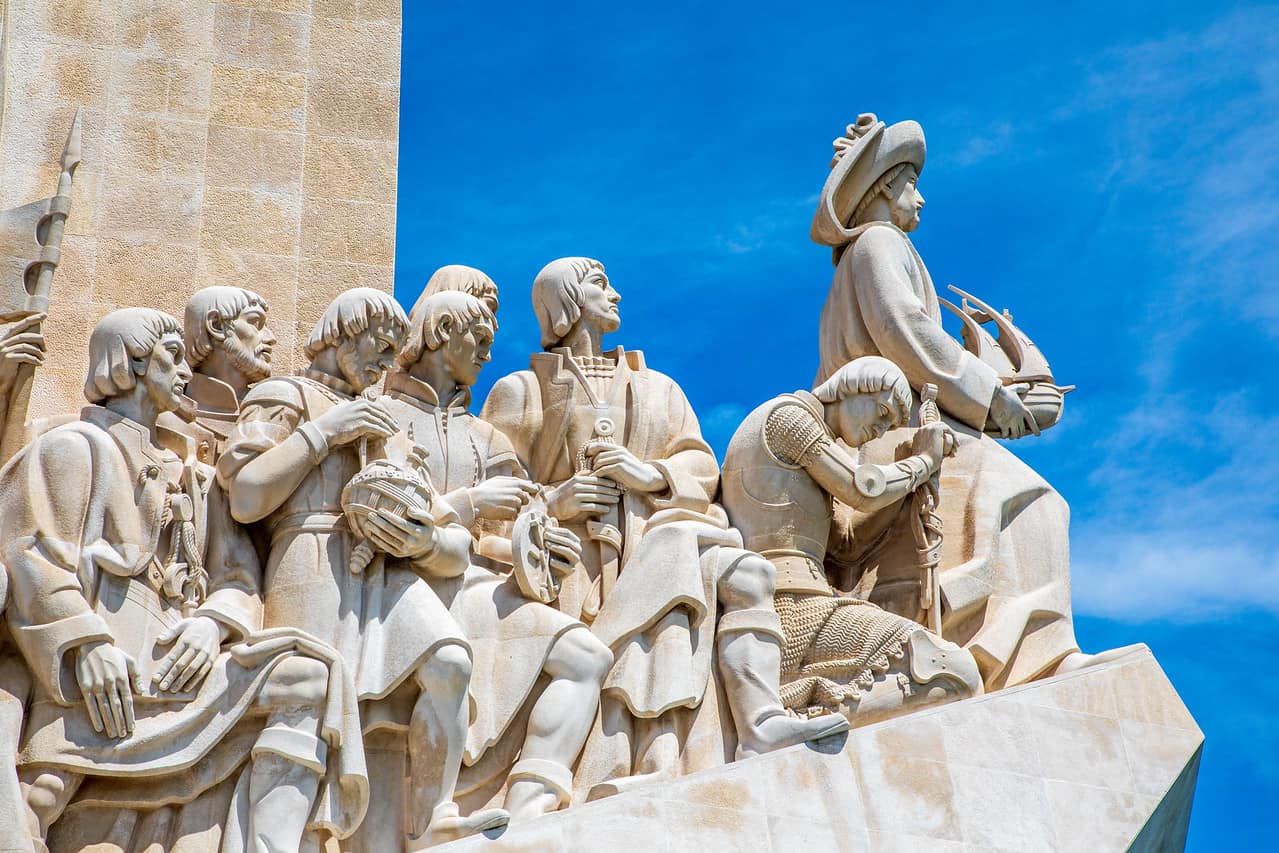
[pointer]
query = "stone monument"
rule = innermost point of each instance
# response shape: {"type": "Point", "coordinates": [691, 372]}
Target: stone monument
{"type": "Point", "coordinates": [270, 584]}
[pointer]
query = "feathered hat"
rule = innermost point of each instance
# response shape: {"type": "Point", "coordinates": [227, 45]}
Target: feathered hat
{"type": "Point", "coordinates": [866, 151]}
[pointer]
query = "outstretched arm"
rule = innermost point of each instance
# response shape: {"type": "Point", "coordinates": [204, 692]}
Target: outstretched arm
{"type": "Point", "coordinates": [796, 437]}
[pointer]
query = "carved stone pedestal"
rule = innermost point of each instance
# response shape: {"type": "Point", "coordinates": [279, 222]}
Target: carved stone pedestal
{"type": "Point", "coordinates": [1104, 758]}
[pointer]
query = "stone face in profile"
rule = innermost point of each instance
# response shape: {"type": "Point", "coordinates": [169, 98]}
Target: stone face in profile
{"type": "Point", "coordinates": [141, 627]}
{"type": "Point", "coordinates": [229, 344]}
{"type": "Point", "coordinates": [998, 581]}
{"type": "Point", "coordinates": [626, 469]}
{"type": "Point", "coordinates": [786, 464]}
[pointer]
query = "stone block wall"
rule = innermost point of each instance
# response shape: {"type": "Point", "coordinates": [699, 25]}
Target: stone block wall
{"type": "Point", "coordinates": [249, 142]}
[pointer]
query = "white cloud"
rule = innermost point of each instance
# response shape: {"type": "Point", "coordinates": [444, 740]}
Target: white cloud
{"type": "Point", "coordinates": [1183, 522]}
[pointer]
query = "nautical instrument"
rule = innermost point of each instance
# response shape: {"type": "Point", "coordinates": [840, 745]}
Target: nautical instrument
{"type": "Point", "coordinates": [383, 486]}
{"type": "Point", "coordinates": [530, 554]}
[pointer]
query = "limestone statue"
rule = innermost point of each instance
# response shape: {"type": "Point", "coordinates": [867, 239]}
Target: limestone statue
{"type": "Point", "coordinates": [664, 580]}
{"type": "Point", "coordinates": [786, 464]}
{"type": "Point", "coordinates": [154, 685]}
{"type": "Point", "coordinates": [298, 442]}
{"type": "Point", "coordinates": [515, 640]}
{"type": "Point", "coordinates": [1004, 576]}
{"type": "Point", "coordinates": [229, 345]}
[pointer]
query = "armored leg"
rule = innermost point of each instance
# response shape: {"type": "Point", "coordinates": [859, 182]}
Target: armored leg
{"type": "Point", "coordinates": [749, 643]}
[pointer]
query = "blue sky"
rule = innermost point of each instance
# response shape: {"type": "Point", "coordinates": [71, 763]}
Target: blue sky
{"type": "Point", "coordinates": [1109, 172]}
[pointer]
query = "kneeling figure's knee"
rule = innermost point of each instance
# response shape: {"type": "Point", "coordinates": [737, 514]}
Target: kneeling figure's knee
{"type": "Point", "coordinates": [749, 583]}
{"type": "Point", "coordinates": [298, 682]}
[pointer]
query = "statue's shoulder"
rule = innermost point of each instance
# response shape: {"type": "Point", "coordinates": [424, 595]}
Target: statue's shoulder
{"type": "Point", "coordinates": [65, 446]}
{"type": "Point", "coordinates": [521, 383]}
{"type": "Point", "coordinates": [881, 237]}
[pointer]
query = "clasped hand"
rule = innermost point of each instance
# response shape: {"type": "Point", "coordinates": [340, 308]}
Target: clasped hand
{"type": "Point", "coordinates": [407, 537]}
{"type": "Point", "coordinates": [355, 419]}
{"type": "Point", "coordinates": [501, 498]}
{"type": "Point", "coordinates": [613, 468]}
{"type": "Point", "coordinates": [1009, 415]}
{"type": "Point", "coordinates": [564, 549]}
{"type": "Point", "coordinates": [933, 442]}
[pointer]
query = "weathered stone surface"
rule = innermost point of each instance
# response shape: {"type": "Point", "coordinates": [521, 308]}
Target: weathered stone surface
{"type": "Point", "coordinates": [222, 141]}
{"type": "Point", "coordinates": [1098, 759]}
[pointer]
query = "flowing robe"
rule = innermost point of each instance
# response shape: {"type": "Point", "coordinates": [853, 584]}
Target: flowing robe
{"type": "Point", "coordinates": [510, 636]}
{"type": "Point", "coordinates": [86, 532]}
{"type": "Point", "coordinates": [659, 619]}
{"type": "Point", "coordinates": [1005, 569]}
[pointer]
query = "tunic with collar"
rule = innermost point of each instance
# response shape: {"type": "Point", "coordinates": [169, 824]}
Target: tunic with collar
{"type": "Point", "coordinates": [510, 635]}
{"type": "Point", "coordinates": [86, 531]}
{"type": "Point", "coordinates": [386, 621]}
{"type": "Point", "coordinates": [1005, 569]}
{"type": "Point", "coordinates": [671, 556]}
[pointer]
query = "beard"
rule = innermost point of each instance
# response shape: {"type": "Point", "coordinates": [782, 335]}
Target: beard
{"type": "Point", "coordinates": [251, 366]}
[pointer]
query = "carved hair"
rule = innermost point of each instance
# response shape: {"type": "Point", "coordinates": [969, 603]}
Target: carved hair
{"type": "Point", "coordinates": [117, 341]}
{"type": "Point", "coordinates": [869, 374]}
{"type": "Point", "coordinates": [880, 186]}
{"type": "Point", "coordinates": [463, 279]}
{"type": "Point", "coordinates": [228, 303]}
{"type": "Point", "coordinates": [557, 296]}
{"type": "Point", "coordinates": [353, 312]}
{"type": "Point", "coordinates": [437, 317]}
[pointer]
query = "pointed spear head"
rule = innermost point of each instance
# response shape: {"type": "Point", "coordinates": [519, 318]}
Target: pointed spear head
{"type": "Point", "coordinates": [71, 152]}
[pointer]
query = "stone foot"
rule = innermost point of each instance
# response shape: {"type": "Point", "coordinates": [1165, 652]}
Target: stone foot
{"type": "Point", "coordinates": [782, 730]}
{"type": "Point", "coordinates": [623, 784]}
{"type": "Point", "coordinates": [1078, 660]}
{"type": "Point", "coordinates": [448, 825]}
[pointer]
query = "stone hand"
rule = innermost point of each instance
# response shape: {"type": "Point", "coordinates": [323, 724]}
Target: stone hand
{"type": "Point", "coordinates": [108, 679]}
{"type": "Point", "coordinates": [565, 550]}
{"type": "Point", "coordinates": [406, 538]}
{"type": "Point", "coordinates": [933, 442]}
{"type": "Point", "coordinates": [618, 464]}
{"type": "Point", "coordinates": [195, 646]}
{"type": "Point", "coordinates": [355, 419]}
{"type": "Point", "coordinates": [1009, 414]}
{"type": "Point", "coordinates": [21, 343]}
{"type": "Point", "coordinates": [501, 498]}
{"type": "Point", "coordinates": [582, 494]}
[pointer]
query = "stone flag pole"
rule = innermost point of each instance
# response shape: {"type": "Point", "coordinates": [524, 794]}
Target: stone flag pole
{"type": "Point", "coordinates": [251, 144]}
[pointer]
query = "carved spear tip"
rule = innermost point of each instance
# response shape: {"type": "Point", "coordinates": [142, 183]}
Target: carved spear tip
{"type": "Point", "coordinates": [71, 153]}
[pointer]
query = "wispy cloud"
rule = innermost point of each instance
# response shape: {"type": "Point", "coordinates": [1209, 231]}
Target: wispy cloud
{"type": "Point", "coordinates": [1183, 521]}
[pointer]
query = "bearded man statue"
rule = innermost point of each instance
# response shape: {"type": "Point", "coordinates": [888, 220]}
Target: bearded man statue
{"type": "Point", "coordinates": [229, 347]}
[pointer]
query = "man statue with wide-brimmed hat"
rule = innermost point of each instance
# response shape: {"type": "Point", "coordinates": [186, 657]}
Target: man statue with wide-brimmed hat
{"type": "Point", "coordinates": [1005, 557]}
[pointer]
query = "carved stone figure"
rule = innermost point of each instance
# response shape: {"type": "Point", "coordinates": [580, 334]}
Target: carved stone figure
{"type": "Point", "coordinates": [299, 440]}
{"type": "Point", "coordinates": [1005, 559]}
{"type": "Point", "coordinates": [229, 346]}
{"type": "Point", "coordinates": [787, 462]}
{"type": "Point", "coordinates": [140, 622]}
{"type": "Point", "coordinates": [664, 581]}
{"type": "Point", "coordinates": [515, 640]}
